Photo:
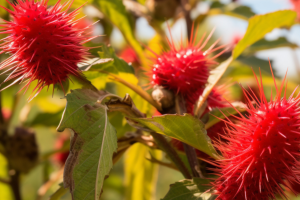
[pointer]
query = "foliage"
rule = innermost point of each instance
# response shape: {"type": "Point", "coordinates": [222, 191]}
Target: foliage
{"type": "Point", "coordinates": [113, 150]}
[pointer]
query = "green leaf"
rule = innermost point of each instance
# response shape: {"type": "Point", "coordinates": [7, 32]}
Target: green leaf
{"type": "Point", "coordinates": [185, 128]}
{"type": "Point", "coordinates": [188, 189]}
{"type": "Point", "coordinates": [255, 63]}
{"type": "Point", "coordinates": [140, 170]}
{"type": "Point", "coordinates": [260, 25]}
{"type": "Point", "coordinates": [228, 111]}
{"type": "Point", "coordinates": [232, 9]}
{"type": "Point", "coordinates": [118, 64]}
{"type": "Point", "coordinates": [108, 62]}
{"type": "Point", "coordinates": [44, 119]}
{"type": "Point", "coordinates": [92, 145]}
{"type": "Point", "coordinates": [115, 11]}
{"type": "Point", "coordinates": [264, 44]}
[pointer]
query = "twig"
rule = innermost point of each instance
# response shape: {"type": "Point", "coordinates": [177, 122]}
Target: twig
{"type": "Point", "coordinates": [15, 185]}
{"type": "Point", "coordinates": [46, 186]}
{"type": "Point", "coordinates": [171, 152]}
{"type": "Point", "coordinates": [190, 151]}
{"type": "Point", "coordinates": [138, 90]}
{"type": "Point", "coordinates": [127, 107]}
{"type": "Point", "coordinates": [169, 165]}
{"type": "Point", "coordinates": [3, 180]}
{"type": "Point", "coordinates": [187, 15]}
{"type": "Point", "coordinates": [59, 193]}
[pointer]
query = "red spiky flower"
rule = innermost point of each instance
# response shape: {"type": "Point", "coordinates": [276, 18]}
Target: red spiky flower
{"type": "Point", "coordinates": [43, 42]}
{"type": "Point", "coordinates": [185, 69]}
{"type": "Point", "coordinates": [262, 154]}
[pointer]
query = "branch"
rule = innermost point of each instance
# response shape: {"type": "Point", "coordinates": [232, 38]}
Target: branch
{"type": "Point", "coordinates": [187, 15]}
{"type": "Point", "coordinates": [15, 185]}
{"type": "Point", "coordinates": [127, 107]}
{"type": "Point", "coordinates": [189, 150]}
{"type": "Point", "coordinates": [138, 90]}
{"type": "Point", "coordinates": [59, 193]}
{"type": "Point", "coordinates": [3, 180]}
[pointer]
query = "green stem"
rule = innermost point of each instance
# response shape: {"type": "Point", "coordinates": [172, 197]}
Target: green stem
{"type": "Point", "coordinates": [59, 193]}
{"type": "Point", "coordinates": [189, 150]}
{"type": "Point", "coordinates": [171, 152]}
{"type": "Point", "coordinates": [15, 185]}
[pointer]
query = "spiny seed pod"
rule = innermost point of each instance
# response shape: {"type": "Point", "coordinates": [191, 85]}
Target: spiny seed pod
{"type": "Point", "coordinates": [185, 70]}
{"type": "Point", "coordinates": [21, 150]}
{"type": "Point", "coordinates": [43, 42]}
{"type": "Point", "coordinates": [262, 154]}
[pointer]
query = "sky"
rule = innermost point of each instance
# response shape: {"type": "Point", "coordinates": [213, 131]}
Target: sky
{"type": "Point", "coordinates": [227, 27]}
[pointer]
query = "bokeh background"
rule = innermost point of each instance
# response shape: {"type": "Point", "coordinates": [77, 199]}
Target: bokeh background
{"type": "Point", "coordinates": [42, 114]}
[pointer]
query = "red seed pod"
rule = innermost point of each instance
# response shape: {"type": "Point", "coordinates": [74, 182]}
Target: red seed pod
{"type": "Point", "coordinates": [263, 149]}
{"type": "Point", "coordinates": [185, 69]}
{"type": "Point", "coordinates": [43, 42]}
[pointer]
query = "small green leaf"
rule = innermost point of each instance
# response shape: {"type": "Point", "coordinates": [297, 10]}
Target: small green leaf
{"type": "Point", "coordinates": [223, 112]}
{"type": "Point", "coordinates": [231, 9]}
{"type": "Point", "coordinates": [115, 11]}
{"type": "Point", "coordinates": [92, 145]}
{"type": "Point", "coordinates": [255, 63]}
{"type": "Point", "coordinates": [264, 44]}
{"type": "Point", "coordinates": [140, 170]}
{"type": "Point", "coordinates": [260, 25]}
{"type": "Point", "coordinates": [108, 62]}
{"type": "Point", "coordinates": [195, 189]}
{"type": "Point", "coordinates": [185, 128]}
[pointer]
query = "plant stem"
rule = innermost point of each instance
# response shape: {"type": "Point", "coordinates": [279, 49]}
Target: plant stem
{"type": "Point", "coordinates": [135, 88]}
{"type": "Point", "coordinates": [171, 152]}
{"type": "Point", "coordinates": [15, 185]}
{"type": "Point", "coordinates": [3, 180]}
{"type": "Point", "coordinates": [189, 151]}
{"type": "Point", "coordinates": [187, 15]}
{"type": "Point", "coordinates": [59, 193]}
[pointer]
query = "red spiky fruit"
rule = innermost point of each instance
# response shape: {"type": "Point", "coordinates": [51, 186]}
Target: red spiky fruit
{"type": "Point", "coordinates": [185, 69]}
{"type": "Point", "coordinates": [263, 149]}
{"type": "Point", "coordinates": [43, 42]}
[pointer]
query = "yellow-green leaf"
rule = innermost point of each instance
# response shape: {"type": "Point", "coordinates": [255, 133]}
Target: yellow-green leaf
{"type": "Point", "coordinates": [115, 11]}
{"type": "Point", "coordinates": [140, 173]}
{"type": "Point", "coordinates": [260, 25]}
{"type": "Point", "coordinates": [92, 145]}
{"type": "Point", "coordinates": [185, 128]}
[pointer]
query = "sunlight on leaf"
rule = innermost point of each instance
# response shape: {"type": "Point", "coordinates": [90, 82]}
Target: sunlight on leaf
{"type": "Point", "coordinates": [185, 128]}
{"type": "Point", "coordinates": [140, 170]}
{"type": "Point", "coordinates": [92, 145]}
{"type": "Point", "coordinates": [195, 189]}
{"type": "Point", "coordinates": [115, 11]}
{"type": "Point", "coordinates": [260, 25]}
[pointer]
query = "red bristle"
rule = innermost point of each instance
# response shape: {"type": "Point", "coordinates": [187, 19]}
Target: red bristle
{"type": "Point", "coordinates": [262, 150]}
{"type": "Point", "coordinates": [44, 44]}
{"type": "Point", "coordinates": [184, 70]}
